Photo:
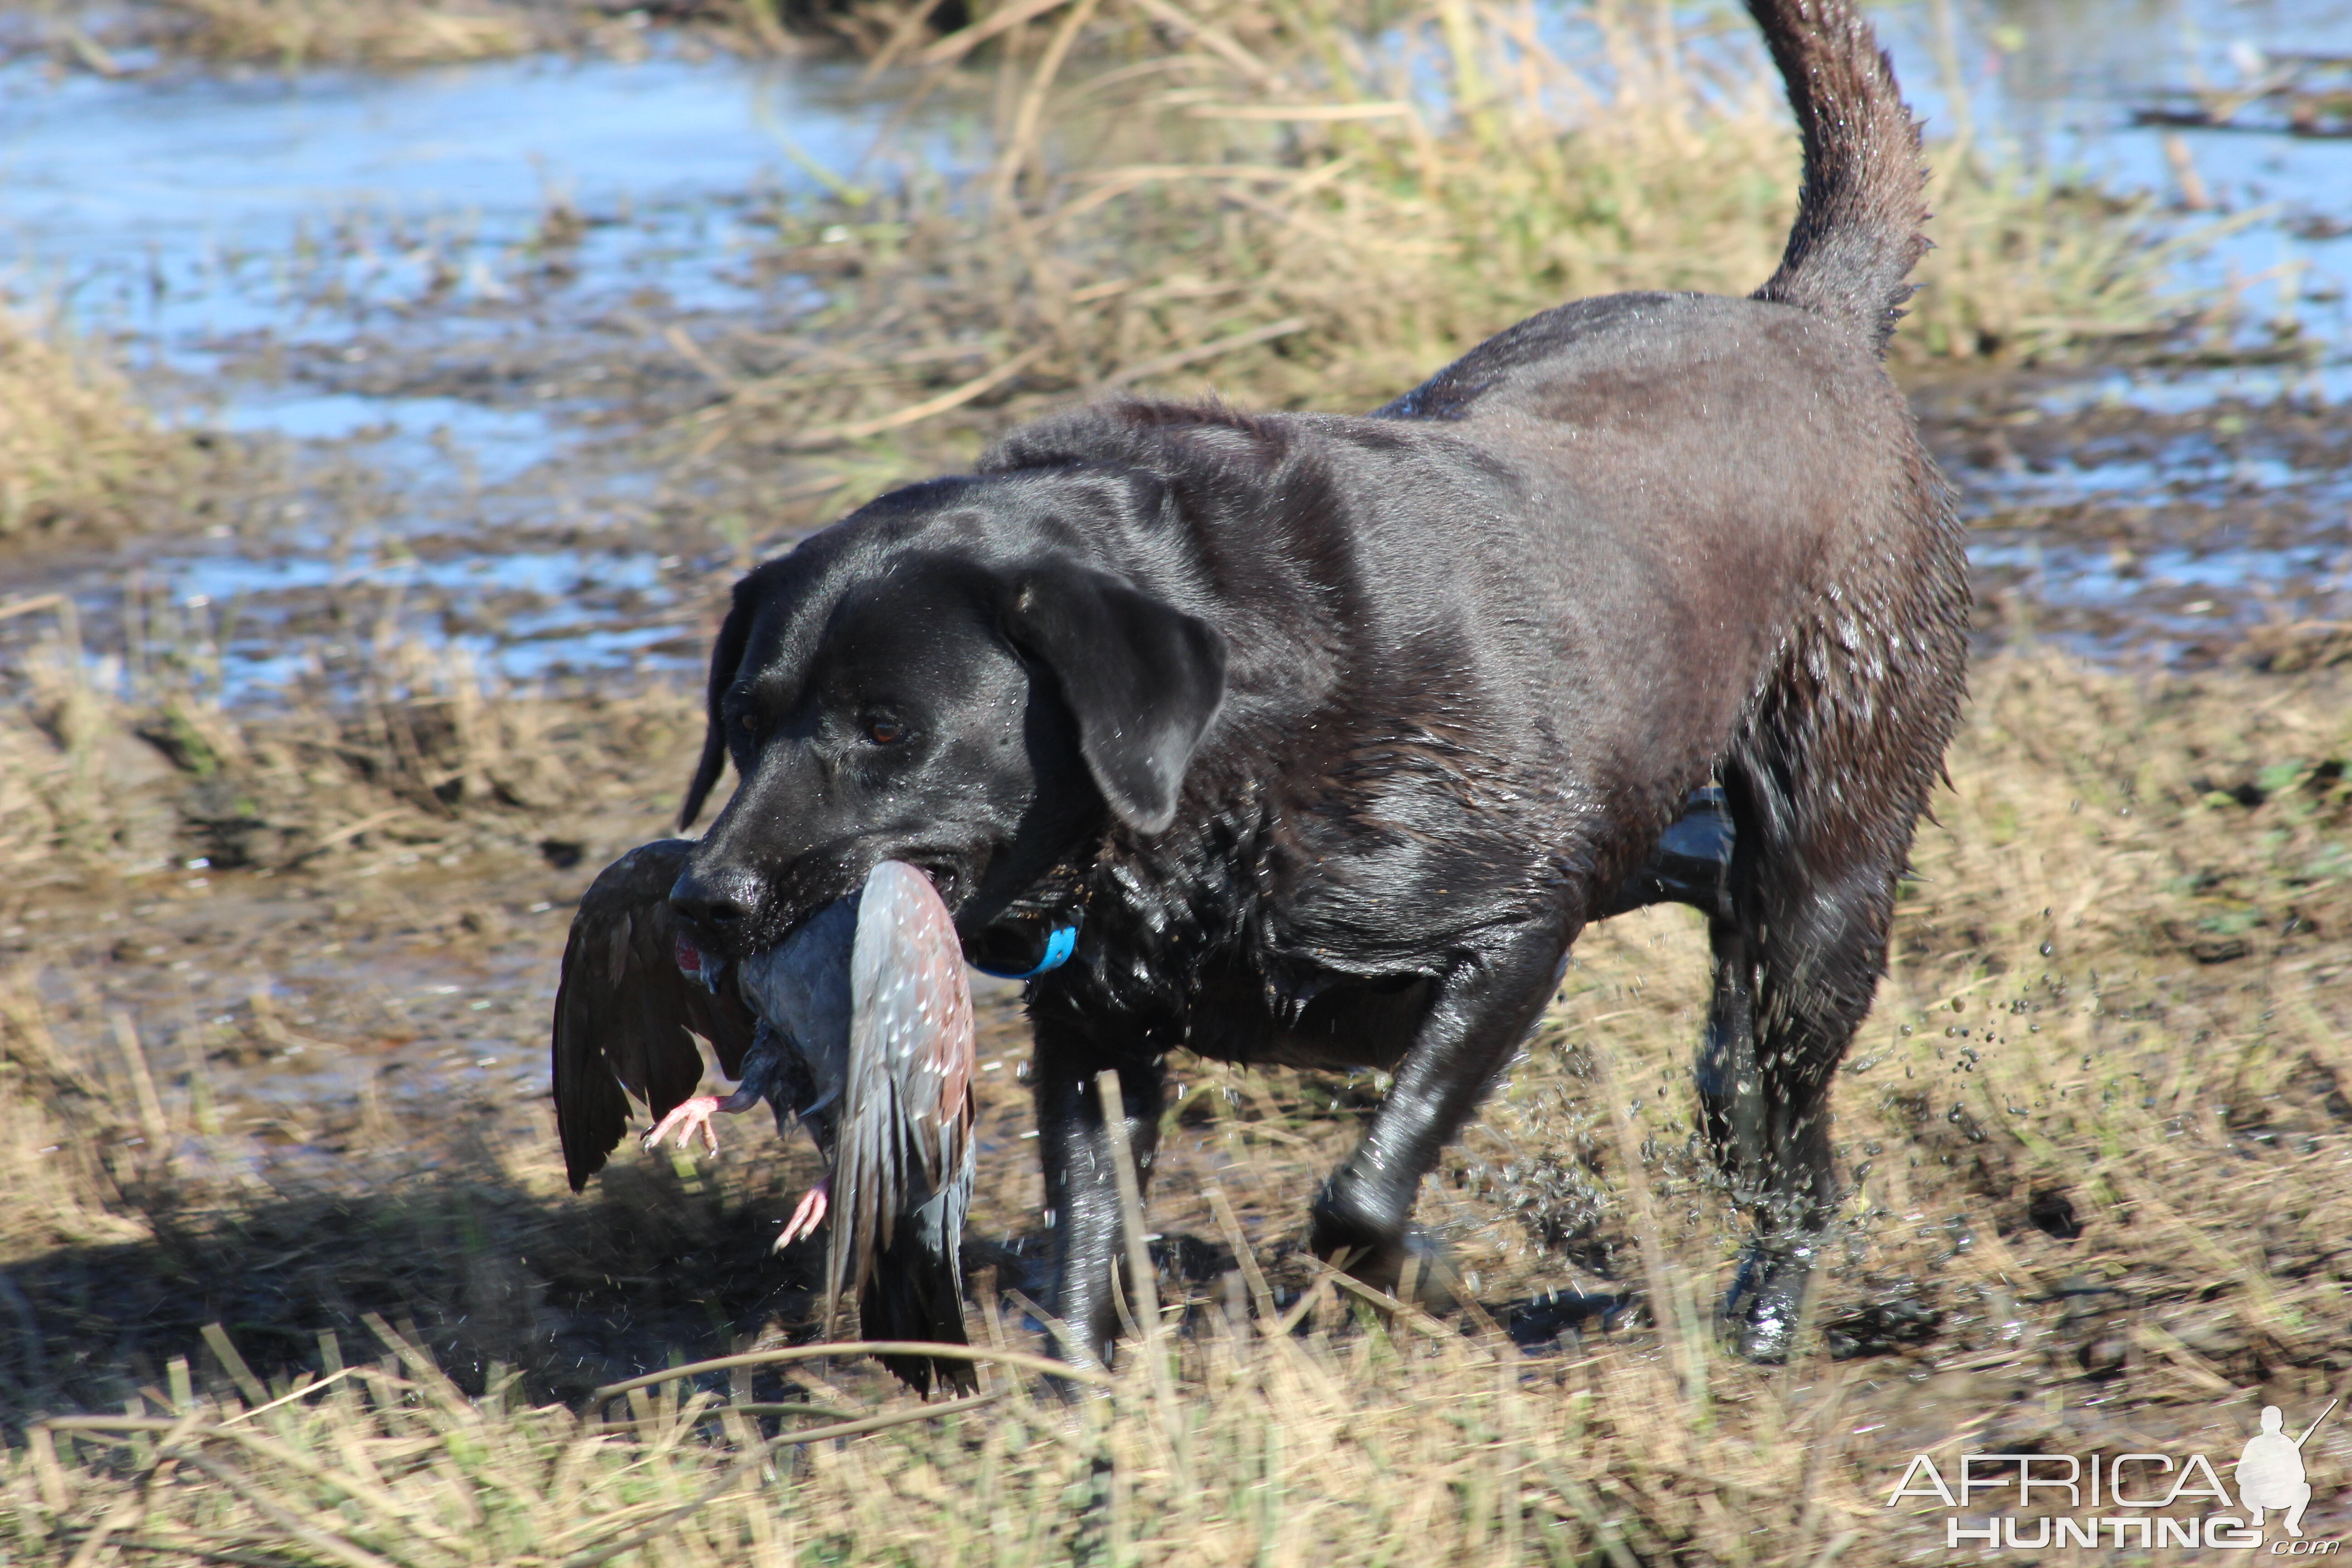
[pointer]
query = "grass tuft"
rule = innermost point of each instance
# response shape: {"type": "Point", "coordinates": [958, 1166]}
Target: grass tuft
{"type": "Point", "coordinates": [294, 34]}
{"type": "Point", "coordinates": [78, 450]}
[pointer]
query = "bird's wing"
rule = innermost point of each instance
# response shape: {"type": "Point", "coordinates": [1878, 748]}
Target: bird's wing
{"type": "Point", "coordinates": [906, 1125]}
{"type": "Point", "coordinates": [623, 1010]}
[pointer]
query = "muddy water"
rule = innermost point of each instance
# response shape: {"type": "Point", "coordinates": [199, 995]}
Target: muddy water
{"type": "Point", "coordinates": [2152, 515]}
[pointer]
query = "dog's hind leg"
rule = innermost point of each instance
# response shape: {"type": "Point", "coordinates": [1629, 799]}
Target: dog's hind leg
{"type": "Point", "coordinates": [1082, 1182]}
{"type": "Point", "coordinates": [1823, 787]}
{"type": "Point", "coordinates": [1788, 992]}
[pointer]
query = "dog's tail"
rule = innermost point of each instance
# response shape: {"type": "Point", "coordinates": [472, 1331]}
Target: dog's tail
{"type": "Point", "coordinates": [1864, 197]}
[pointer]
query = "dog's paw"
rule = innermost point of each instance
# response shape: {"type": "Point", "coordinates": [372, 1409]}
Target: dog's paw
{"type": "Point", "coordinates": [1417, 1270]}
{"type": "Point", "coordinates": [1366, 1231]}
{"type": "Point", "coordinates": [1764, 1309]}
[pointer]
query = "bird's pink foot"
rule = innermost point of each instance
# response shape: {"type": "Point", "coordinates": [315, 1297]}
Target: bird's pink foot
{"type": "Point", "coordinates": [688, 1118]}
{"type": "Point", "coordinates": [805, 1218]}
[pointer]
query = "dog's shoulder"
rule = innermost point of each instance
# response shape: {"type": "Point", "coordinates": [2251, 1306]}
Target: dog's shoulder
{"type": "Point", "coordinates": [1170, 439]}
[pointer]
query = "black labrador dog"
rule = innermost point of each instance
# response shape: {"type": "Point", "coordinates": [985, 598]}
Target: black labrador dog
{"type": "Point", "coordinates": [1328, 733]}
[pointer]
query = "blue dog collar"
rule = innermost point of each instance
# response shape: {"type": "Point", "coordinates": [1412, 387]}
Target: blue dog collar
{"type": "Point", "coordinates": [1062, 942]}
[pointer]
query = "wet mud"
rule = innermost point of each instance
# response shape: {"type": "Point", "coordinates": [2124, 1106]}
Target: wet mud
{"type": "Point", "coordinates": [2182, 520]}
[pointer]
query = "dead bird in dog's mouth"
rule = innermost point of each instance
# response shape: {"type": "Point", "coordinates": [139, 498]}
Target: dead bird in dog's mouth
{"type": "Point", "coordinates": [858, 1026]}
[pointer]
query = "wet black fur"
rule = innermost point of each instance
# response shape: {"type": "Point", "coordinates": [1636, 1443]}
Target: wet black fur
{"type": "Point", "coordinates": [1334, 732]}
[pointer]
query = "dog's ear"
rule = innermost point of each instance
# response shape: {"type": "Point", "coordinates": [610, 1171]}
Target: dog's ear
{"type": "Point", "coordinates": [725, 654]}
{"type": "Point", "coordinates": [1142, 678]}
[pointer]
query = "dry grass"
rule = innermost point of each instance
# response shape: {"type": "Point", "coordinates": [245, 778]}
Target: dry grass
{"type": "Point", "coordinates": [395, 35]}
{"type": "Point", "coordinates": [76, 447]}
{"type": "Point", "coordinates": [2118, 989]}
{"type": "Point", "coordinates": [293, 34]}
{"type": "Point", "coordinates": [1263, 200]}
{"type": "Point", "coordinates": [2171, 1064]}
{"type": "Point", "coordinates": [1351, 1450]}
{"type": "Point", "coordinates": [128, 764]}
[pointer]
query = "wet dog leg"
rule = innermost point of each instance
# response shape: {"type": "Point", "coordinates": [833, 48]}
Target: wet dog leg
{"type": "Point", "coordinates": [1082, 1183]}
{"type": "Point", "coordinates": [1797, 958]}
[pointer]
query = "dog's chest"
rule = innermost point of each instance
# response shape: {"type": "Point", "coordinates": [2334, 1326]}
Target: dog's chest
{"type": "Point", "coordinates": [1265, 948]}
{"type": "Point", "coordinates": [1246, 1002]}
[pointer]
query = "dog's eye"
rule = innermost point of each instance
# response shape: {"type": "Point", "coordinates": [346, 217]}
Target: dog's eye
{"type": "Point", "coordinates": [747, 722]}
{"type": "Point", "coordinates": [885, 731]}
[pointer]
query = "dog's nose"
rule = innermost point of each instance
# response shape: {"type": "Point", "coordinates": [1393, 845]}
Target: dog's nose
{"type": "Point", "coordinates": [719, 899]}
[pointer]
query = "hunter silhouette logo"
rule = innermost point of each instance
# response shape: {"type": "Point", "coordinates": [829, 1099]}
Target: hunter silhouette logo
{"type": "Point", "coordinates": [2270, 1470]}
{"type": "Point", "coordinates": [2118, 1502]}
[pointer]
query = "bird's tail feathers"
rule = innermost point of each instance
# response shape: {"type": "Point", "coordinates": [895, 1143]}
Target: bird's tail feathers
{"type": "Point", "coordinates": [916, 1293]}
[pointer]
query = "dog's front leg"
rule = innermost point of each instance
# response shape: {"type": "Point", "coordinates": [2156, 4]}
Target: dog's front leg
{"type": "Point", "coordinates": [1482, 1011]}
{"type": "Point", "coordinates": [1081, 1180]}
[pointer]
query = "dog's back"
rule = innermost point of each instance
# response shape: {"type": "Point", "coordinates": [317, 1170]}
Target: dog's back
{"type": "Point", "coordinates": [1694, 475]}
{"type": "Point", "coordinates": [1756, 428]}
{"type": "Point", "coordinates": [1720, 486]}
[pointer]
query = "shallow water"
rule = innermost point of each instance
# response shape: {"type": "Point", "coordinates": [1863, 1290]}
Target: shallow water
{"type": "Point", "coordinates": [372, 268]}
{"type": "Point", "coordinates": [260, 246]}
{"type": "Point", "coordinates": [2062, 82]}
{"type": "Point", "coordinates": [191, 210]}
